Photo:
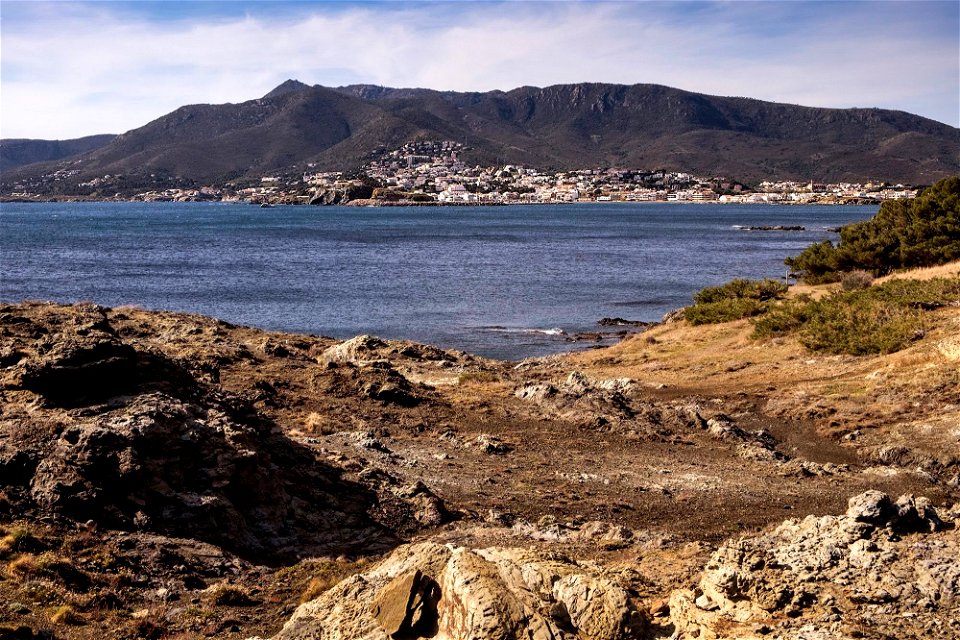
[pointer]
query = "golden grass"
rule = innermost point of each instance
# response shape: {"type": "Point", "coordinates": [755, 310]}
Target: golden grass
{"type": "Point", "coordinates": [66, 615]}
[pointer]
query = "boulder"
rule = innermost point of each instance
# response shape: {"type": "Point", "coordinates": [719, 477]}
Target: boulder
{"type": "Point", "coordinates": [355, 350]}
{"type": "Point", "coordinates": [427, 590]}
{"type": "Point", "coordinates": [192, 471]}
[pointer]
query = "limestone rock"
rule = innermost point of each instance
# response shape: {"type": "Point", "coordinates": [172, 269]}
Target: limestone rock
{"type": "Point", "coordinates": [355, 350]}
{"type": "Point", "coordinates": [481, 594]}
{"type": "Point", "coordinates": [825, 576]}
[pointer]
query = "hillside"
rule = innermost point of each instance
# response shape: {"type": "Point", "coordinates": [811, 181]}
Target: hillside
{"type": "Point", "coordinates": [167, 474]}
{"type": "Point", "coordinates": [563, 126]}
{"type": "Point", "coordinates": [16, 152]}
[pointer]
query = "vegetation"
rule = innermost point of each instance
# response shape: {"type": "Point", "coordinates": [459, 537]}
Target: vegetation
{"type": "Point", "coordinates": [227, 594]}
{"type": "Point", "coordinates": [854, 280]}
{"type": "Point", "coordinates": [877, 319]}
{"type": "Point", "coordinates": [734, 300]}
{"type": "Point", "coordinates": [917, 233]}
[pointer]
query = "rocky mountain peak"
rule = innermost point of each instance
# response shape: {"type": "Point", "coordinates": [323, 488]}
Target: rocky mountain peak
{"type": "Point", "coordinates": [287, 86]}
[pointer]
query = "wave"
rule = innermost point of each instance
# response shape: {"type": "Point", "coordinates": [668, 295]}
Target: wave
{"type": "Point", "coordinates": [555, 331]}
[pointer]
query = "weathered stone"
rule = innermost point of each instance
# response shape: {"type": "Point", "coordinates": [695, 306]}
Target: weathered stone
{"type": "Point", "coordinates": [483, 594]}
{"type": "Point", "coordinates": [807, 570]}
{"type": "Point", "coordinates": [407, 606]}
{"type": "Point", "coordinates": [355, 350]}
{"type": "Point", "coordinates": [873, 507]}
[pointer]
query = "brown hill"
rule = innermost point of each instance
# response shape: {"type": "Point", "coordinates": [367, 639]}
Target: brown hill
{"type": "Point", "coordinates": [563, 126]}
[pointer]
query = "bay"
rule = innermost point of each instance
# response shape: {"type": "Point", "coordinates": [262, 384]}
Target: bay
{"type": "Point", "coordinates": [506, 282]}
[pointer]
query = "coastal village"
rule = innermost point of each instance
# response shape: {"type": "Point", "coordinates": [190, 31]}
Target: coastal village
{"type": "Point", "coordinates": [433, 173]}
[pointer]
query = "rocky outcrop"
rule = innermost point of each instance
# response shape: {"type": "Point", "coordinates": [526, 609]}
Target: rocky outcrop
{"type": "Point", "coordinates": [428, 590]}
{"type": "Point", "coordinates": [875, 571]}
{"type": "Point", "coordinates": [83, 360]}
{"type": "Point", "coordinates": [605, 404]}
{"type": "Point", "coordinates": [341, 196]}
{"type": "Point", "coordinates": [145, 445]}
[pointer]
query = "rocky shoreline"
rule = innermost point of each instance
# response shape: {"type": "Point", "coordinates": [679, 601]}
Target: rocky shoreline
{"type": "Point", "coordinates": [171, 475]}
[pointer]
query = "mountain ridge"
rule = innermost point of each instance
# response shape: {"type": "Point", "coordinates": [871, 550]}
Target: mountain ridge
{"type": "Point", "coordinates": [555, 127]}
{"type": "Point", "coordinates": [16, 152]}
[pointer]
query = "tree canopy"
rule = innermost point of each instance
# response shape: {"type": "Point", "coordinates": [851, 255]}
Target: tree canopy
{"type": "Point", "coordinates": [921, 232]}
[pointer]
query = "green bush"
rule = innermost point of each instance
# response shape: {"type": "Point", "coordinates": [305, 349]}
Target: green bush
{"type": "Point", "coordinates": [879, 319]}
{"type": "Point", "coordinates": [742, 289]}
{"type": "Point", "coordinates": [733, 300]}
{"type": "Point", "coordinates": [783, 319]}
{"type": "Point", "coordinates": [859, 325]}
{"type": "Point", "coordinates": [905, 233]}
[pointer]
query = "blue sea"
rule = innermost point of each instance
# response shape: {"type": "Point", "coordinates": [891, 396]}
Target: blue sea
{"type": "Point", "coordinates": [506, 282]}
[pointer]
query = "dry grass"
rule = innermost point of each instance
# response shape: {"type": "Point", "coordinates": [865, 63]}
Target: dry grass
{"type": "Point", "coordinates": [17, 540]}
{"type": "Point", "coordinates": [949, 270]}
{"type": "Point", "coordinates": [66, 615]}
{"type": "Point", "coordinates": [327, 574]}
{"type": "Point", "coordinates": [228, 595]}
{"type": "Point", "coordinates": [912, 386]}
{"type": "Point", "coordinates": [317, 587]}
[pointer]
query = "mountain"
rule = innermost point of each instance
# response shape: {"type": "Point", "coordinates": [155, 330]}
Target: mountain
{"type": "Point", "coordinates": [16, 152]}
{"type": "Point", "coordinates": [560, 127]}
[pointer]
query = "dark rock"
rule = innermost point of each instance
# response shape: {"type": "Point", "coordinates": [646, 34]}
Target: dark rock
{"type": "Point", "coordinates": [80, 371]}
{"type": "Point", "coordinates": [190, 470]}
{"type": "Point", "coordinates": [25, 633]}
{"type": "Point", "coordinates": [16, 466]}
{"type": "Point", "coordinates": [620, 322]}
{"type": "Point", "coordinates": [390, 393]}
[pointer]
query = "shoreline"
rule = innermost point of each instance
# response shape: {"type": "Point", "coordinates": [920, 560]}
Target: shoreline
{"type": "Point", "coordinates": [412, 204]}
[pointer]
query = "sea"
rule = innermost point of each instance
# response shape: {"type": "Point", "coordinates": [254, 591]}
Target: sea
{"type": "Point", "coordinates": [507, 282]}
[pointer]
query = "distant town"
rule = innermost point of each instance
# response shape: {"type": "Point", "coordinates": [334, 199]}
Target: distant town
{"type": "Point", "coordinates": [432, 173]}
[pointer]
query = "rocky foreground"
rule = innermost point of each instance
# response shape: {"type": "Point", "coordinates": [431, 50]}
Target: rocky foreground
{"type": "Point", "coordinates": [172, 476]}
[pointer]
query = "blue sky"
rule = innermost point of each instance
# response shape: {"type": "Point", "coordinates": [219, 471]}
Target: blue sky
{"type": "Point", "coordinates": [69, 69]}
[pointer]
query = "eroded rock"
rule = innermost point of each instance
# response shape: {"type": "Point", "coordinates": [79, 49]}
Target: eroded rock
{"type": "Point", "coordinates": [830, 574]}
{"type": "Point", "coordinates": [483, 594]}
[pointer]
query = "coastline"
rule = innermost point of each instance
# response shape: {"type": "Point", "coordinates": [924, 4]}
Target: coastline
{"type": "Point", "coordinates": [414, 204]}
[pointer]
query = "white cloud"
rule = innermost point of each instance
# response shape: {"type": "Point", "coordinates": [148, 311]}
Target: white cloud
{"type": "Point", "coordinates": [85, 70]}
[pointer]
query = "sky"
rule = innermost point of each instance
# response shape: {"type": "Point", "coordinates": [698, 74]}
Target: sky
{"type": "Point", "coordinates": [70, 69]}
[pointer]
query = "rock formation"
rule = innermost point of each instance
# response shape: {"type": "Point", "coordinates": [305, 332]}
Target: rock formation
{"type": "Point", "coordinates": [428, 590]}
{"type": "Point", "coordinates": [143, 444]}
{"type": "Point", "coordinates": [874, 570]}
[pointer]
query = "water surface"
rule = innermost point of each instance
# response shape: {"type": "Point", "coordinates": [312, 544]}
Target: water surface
{"type": "Point", "coordinates": [498, 281]}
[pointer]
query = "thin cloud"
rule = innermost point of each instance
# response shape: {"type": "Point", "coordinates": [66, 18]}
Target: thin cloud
{"type": "Point", "coordinates": [77, 69]}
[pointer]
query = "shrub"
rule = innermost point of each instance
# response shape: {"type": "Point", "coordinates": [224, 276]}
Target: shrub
{"type": "Point", "coordinates": [854, 280]}
{"type": "Point", "coordinates": [723, 311]}
{"type": "Point", "coordinates": [878, 319]}
{"type": "Point", "coordinates": [782, 319]}
{"type": "Point", "coordinates": [50, 566]}
{"type": "Point", "coordinates": [328, 573]}
{"type": "Point", "coordinates": [66, 615]}
{"type": "Point", "coordinates": [318, 587]}
{"type": "Point", "coordinates": [19, 540]}
{"type": "Point", "coordinates": [228, 595]}
{"type": "Point", "coordinates": [748, 289]}
{"type": "Point", "coordinates": [859, 325]}
{"type": "Point", "coordinates": [733, 300]}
